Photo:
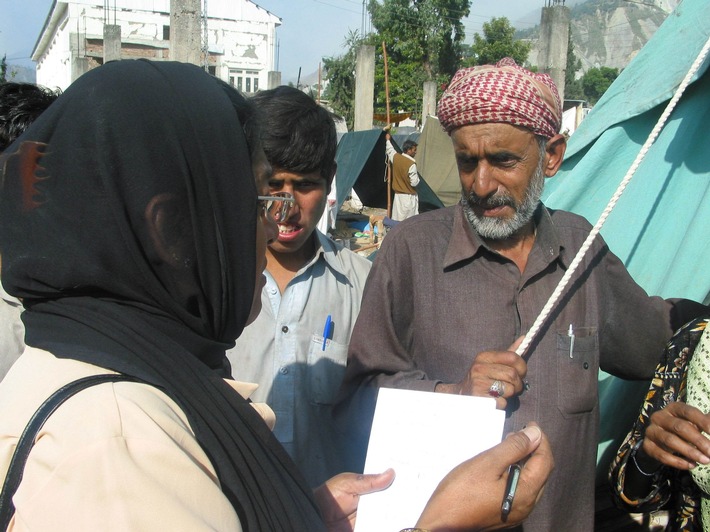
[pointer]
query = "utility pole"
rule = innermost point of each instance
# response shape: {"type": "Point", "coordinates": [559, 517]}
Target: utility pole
{"type": "Point", "coordinates": [112, 33]}
{"type": "Point", "coordinates": [185, 34]}
{"type": "Point", "coordinates": [554, 39]}
{"type": "Point", "coordinates": [364, 87]}
{"type": "Point", "coordinates": [205, 39]}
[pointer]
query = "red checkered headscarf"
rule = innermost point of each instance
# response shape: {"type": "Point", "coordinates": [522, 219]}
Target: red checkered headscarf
{"type": "Point", "coordinates": [504, 92]}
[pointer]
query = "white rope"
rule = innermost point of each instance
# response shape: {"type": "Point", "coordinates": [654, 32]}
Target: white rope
{"type": "Point", "coordinates": [552, 301]}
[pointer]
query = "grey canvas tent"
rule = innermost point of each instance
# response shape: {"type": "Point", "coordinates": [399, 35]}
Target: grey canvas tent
{"type": "Point", "coordinates": [436, 162]}
{"type": "Point", "coordinates": [362, 166]}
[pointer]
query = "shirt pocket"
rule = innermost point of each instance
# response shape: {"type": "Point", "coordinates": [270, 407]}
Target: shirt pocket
{"type": "Point", "coordinates": [326, 369]}
{"type": "Point", "coordinates": [577, 370]}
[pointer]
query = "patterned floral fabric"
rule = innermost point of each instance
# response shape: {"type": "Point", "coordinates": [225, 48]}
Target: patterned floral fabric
{"type": "Point", "coordinates": [699, 397]}
{"type": "Point", "coordinates": [672, 488]}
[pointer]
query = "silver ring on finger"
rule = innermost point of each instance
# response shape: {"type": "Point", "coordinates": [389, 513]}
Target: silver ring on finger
{"type": "Point", "coordinates": [497, 389]}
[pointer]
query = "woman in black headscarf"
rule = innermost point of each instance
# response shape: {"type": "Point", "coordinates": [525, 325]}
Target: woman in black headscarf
{"type": "Point", "coordinates": [131, 230]}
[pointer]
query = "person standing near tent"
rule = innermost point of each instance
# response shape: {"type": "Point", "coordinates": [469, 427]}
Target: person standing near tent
{"type": "Point", "coordinates": [404, 178]}
{"type": "Point", "coordinates": [453, 290]}
{"type": "Point", "coordinates": [296, 349]}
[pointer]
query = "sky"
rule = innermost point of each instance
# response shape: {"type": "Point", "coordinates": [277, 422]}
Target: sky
{"type": "Point", "coordinates": [310, 29]}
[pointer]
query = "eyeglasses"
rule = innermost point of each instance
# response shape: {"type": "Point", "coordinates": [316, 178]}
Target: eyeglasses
{"type": "Point", "coordinates": [278, 205]}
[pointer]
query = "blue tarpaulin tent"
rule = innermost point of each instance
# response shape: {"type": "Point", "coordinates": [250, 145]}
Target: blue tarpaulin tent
{"type": "Point", "coordinates": [661, 224]}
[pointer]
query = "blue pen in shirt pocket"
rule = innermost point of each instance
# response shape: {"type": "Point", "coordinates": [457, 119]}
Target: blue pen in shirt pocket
{"type": "Point", "coordinates": [327, 330]}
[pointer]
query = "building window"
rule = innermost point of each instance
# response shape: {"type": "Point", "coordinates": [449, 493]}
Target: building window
{"type": "Point", "coordinates": [213, 70]}
{"type": "Point", "coordinates": [166, 33]}
{"type": "Point", "coordinates": [246, 80]}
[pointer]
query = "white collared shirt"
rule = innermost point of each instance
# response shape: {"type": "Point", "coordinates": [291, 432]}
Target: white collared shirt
{"type": "Point", "coordinates": [283, 352]}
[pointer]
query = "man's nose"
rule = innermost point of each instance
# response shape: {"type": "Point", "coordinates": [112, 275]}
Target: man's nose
{"type": "Point", "coordinates": [484, 182]}
{"type": "Point", "coordinates": [286, 187]}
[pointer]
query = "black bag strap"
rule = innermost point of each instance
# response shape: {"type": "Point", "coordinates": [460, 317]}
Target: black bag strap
{"type": "Point", "coordinates": [27, 439]}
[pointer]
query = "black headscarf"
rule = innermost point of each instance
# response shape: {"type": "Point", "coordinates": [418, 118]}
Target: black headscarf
{"type": "Point", "coordinates": [75, 246]}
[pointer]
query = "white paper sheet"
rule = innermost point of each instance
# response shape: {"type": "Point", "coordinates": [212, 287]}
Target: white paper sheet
{"type": "Point", "coordinates": [422, 436]}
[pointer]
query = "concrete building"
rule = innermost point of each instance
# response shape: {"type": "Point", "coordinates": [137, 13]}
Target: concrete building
{"type": "Point", "coordinates": [241, 38]}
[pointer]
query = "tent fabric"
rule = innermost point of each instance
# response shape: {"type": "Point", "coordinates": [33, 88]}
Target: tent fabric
{"type": "Point", "coordinates": [436, 162]}
{"type": "Point", "coordinates": [652, 77]}
{"type": "Point", "coordinates": [359, 168]}
{"type": "Point", "coordinates": [403, 134]}
{"type": "Point", "coordinates": [362, 166]}
{"type": "Point", "coordinates": [660, 225]}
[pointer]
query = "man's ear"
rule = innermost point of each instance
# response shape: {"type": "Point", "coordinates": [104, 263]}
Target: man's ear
{"type": "Point", "coordinates": [330, 179]}
{"type": "Point", "coordinates": [164, 230]}
{"type": "Point", "coordinates": [554, 154]}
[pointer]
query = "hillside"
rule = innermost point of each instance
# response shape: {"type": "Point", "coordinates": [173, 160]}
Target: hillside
{"type": "Point", "coordinates": [610, 32]}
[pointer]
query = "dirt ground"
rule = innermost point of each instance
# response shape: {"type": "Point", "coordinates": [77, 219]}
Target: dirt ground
{"type": "Point", "coordinates": [353, 229]}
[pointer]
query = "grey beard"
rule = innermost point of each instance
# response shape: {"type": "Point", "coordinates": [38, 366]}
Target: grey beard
{"type": "Point", "coordinates": [500, 228]}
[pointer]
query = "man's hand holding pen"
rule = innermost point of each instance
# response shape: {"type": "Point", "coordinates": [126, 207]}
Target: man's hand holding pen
{"type": "Point", "coordinates": [468, 498]}
{"type": "Point", "coordinates": [483, 480]}
{"type": "Point", "coordinates": [497, 374]}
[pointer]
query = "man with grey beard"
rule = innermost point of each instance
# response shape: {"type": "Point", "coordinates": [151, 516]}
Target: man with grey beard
{"type": "Point", "coordinates": [452, 291]}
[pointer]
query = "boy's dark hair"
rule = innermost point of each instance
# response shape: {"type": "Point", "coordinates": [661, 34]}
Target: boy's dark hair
{"type": "Point", "coordinates": [20, 105]}
{"type": "Point", "coordinates": [249, 116]}
{"type": "Point", "coordinates": [408, 145]}
{"type": "Point", "coordinates": [297, 134]}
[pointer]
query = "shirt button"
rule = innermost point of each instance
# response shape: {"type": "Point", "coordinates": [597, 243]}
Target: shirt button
{"type": "Point", "coordinates": [273, 291]}
{"type": "Point", "coordinates": [284, 329]}
{"type": "Point", "coordinates": [283, 370]}
{"type": "Point", "coordinates": [586, 365]}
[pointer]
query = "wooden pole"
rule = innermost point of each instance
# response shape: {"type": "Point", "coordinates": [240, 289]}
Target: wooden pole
{"type": "Point", "coordinates": [389, 165]}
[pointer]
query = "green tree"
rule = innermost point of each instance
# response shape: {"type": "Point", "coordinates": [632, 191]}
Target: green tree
{"type": "Point", "coordinates": [427, 32]}
{"type": "Point", "coordinates": [3, 69]}
{"type": "Point", "coordinates": [424, 42]}
{"type": "Point", "coordinates": [596, 81]}
{"type": "Point", "coordinates": [496, 43]}
{"type": "Point", "coordinates": [340, 72]}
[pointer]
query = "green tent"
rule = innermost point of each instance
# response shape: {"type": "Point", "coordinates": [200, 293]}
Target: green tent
{"type": "Point", "coordinates": [659, 227]}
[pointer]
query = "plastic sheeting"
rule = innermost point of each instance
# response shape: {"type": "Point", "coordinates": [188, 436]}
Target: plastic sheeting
{"type": "Point", "coordinates": [660, 226]}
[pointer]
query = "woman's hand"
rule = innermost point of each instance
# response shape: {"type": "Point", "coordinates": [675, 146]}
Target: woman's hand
{"type": "Point", "coordinates": [470, 496]}
{"type": "Point", "coordinates": [338, 497]}
{"type": "Point", "coordinates": [674, 437]}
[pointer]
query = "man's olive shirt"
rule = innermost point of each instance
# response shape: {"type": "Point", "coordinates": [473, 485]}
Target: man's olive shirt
{"type": "Point", "coordinates": [437, 296]}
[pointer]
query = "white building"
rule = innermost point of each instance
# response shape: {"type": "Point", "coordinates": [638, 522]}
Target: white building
{"type": "Point", "coordinates": [241, 38]}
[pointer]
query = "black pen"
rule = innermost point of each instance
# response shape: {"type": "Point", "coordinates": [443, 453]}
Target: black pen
{"type": "Point", "coordinates": [510, 487]}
